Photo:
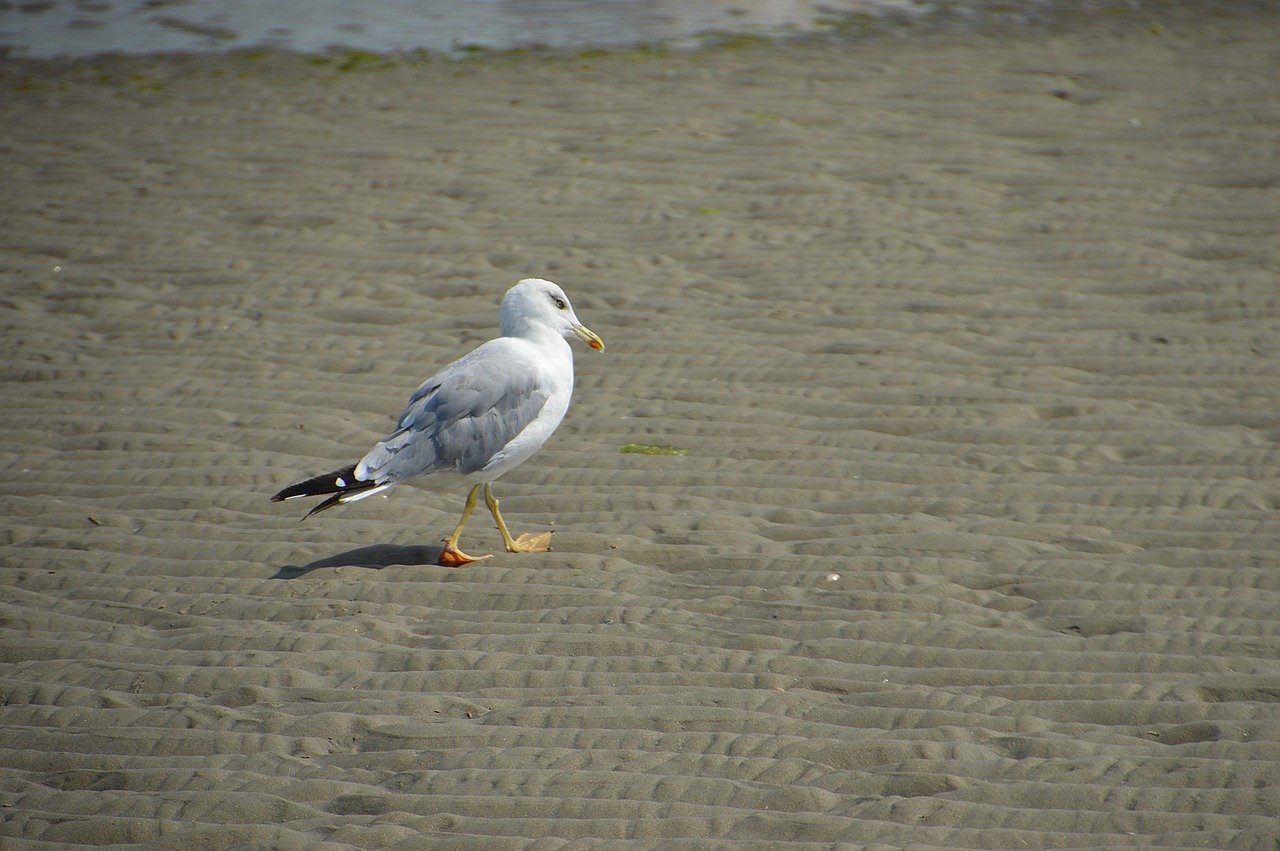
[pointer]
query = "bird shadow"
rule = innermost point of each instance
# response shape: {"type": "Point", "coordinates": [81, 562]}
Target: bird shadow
{"type": "Point", "coordinates": [373, 557]}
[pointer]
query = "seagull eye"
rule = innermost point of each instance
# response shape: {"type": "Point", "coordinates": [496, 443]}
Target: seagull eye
{"type": "Point", "coordinates": [559, 302]}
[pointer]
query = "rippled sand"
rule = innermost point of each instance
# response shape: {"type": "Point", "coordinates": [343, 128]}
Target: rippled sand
{"type": "Point", "coordinates": [972, 342]}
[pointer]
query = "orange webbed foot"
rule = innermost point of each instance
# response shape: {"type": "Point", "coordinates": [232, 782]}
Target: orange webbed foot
{"type": "Point", "coordinates": [529, 543]}
{"type": "Point", "coordinates": [451, 556]}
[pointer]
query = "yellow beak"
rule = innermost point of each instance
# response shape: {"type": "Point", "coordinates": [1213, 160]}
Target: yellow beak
{"type": "Point", "coordinates": [589, 337]}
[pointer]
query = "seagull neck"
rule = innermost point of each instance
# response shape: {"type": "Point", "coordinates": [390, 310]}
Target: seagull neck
{"type": "Point", "coordinates": [538, 335]}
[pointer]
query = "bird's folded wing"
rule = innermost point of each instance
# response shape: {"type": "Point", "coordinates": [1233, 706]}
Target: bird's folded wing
{"type": "Point", "coordinates": [460, 418]}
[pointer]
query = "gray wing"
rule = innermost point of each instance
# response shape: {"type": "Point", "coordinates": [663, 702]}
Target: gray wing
{"type": "Point", "coordinates": [459, 418]}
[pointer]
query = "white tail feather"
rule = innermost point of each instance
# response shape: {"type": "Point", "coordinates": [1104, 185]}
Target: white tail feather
{"type": "Point", "coordinates": [359, 495]}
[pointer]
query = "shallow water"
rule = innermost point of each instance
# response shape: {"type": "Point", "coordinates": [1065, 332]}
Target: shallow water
{"type": "Point", "coordinates": [440, 26]}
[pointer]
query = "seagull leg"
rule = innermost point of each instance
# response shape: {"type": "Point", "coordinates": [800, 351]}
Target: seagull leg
{"type": "Point", "coordinates": [526, 543]}
{"type": "Point", "coordinates": [451, 556]}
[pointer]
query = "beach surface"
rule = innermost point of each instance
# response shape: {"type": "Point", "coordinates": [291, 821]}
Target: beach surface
{"type": "Point", "coordinates": [961, 355]}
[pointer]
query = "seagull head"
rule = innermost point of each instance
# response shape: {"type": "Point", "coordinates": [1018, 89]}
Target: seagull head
{"type": "Point", "coordinates": [537, 304]}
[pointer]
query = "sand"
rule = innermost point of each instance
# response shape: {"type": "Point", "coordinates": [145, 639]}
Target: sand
{"type": "Point", "coordinates": [972, 342]}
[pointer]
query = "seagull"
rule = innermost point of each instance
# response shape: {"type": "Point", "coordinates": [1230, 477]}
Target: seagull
{"type": "Point", "coordinates": [476, 419]}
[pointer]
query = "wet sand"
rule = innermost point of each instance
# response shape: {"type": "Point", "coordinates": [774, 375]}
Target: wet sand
{"type": "Point", "coordinates": [972, 343]}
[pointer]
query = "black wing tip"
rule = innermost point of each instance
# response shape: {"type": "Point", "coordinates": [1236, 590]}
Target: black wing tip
{"type": "Point", "coordinates": [326, 483]}
{"type": "Point", "coordinates": [328, 503]}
